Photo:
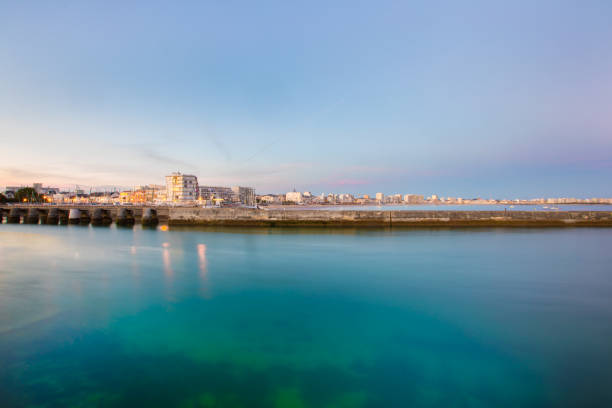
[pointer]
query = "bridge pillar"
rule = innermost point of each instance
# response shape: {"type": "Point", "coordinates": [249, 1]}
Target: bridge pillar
{"type": "Point", "coordinates": [32, 216]}
{"type": "Point", "coordinates": [124, 218]}
{"type": "Point", "coordinates": [52, 217]}
{"type": "Point", "coordinates": [74, 217]}
{"type": "Point", "coordinates": [63, 217]}
{"type": "Point", "coordinates": [100, 217]}
{"type": "Point", "coordinates": [149, 218]}
{"type": "Point", "coordinates": [85, 218]}
{"type": "Point", "coordinates": [14, 216]}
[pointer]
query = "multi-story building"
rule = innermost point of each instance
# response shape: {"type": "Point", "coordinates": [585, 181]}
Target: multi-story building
{"type": "Point", "coordinates": [244, 195]}
{"type": "Point", "coordinates": [380, 197]}
{"type": "Point", "coordinates": [181, 187]}
{"type": "Point", "coordinates": [216, 193]}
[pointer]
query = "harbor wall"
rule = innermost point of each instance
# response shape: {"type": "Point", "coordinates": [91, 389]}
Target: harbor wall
{"type": "Point", "coordinates": [298, 217]}
{"type": "Point", "coordinates": [279, 217]}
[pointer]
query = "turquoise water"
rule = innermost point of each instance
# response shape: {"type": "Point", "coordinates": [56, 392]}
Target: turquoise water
{"type": "Point", "coordinates": [305, 318]}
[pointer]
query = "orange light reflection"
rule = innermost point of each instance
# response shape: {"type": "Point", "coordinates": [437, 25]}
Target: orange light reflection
{"type": "Point", "coordinates": [203, 264]}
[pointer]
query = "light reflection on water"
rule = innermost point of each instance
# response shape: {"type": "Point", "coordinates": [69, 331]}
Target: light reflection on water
{"type": "Point", "coordinates": [305, 317]}
{"type": "Point", "coordinates": [203, 264]}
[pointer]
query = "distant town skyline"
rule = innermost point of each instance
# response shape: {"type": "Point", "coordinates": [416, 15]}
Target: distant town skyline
{"type": "Point", "coordinates": [296, 195]}
{"type": "Point", "coordinates": [486, 99]}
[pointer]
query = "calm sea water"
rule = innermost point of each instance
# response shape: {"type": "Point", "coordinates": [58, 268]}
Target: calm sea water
{"type": "Point", "coordinates": [305, 318]}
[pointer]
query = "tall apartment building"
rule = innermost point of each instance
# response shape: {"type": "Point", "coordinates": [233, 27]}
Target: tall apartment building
{"type": "Point", "coordinates": [181, 187]}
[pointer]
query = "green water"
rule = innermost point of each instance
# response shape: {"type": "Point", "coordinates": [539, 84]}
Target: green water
{"type": "Point", "coordinates": [305, 318]}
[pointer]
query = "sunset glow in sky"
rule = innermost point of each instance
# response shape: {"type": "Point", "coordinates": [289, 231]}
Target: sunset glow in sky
{"type": "Point", "coordinates": [452, 98]}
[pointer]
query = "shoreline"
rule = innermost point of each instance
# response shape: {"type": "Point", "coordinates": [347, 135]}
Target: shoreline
{"type": "Point", "coordinates": [241, 217]}
{"type": "Point", "coordinates": [250, 217]}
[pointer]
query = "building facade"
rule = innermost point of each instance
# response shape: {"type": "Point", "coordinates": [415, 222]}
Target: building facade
{"type": "Point", "coordinates": [244, 195]}
{"type": "Point", "coordinates": [217, 194]}
{"type": "Point", "coordinates": [294, 196]}
{"type": "Point", "coordinates": [413, 199]}
{"type": "Point", "coordinates": [181, 187]}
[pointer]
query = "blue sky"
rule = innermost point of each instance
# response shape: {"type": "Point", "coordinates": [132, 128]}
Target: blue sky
{"type": "Point", "coordinates": [491, 99]}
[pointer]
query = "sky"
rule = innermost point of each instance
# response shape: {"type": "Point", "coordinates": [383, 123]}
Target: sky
{"type": "Point", "coordinates": [455, 98]}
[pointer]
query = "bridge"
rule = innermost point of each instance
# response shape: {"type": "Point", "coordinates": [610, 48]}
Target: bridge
{"type": "Point", "coordinates": [82, 214]}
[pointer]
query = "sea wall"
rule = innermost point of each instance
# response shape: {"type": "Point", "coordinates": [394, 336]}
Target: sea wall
{"type": "Point", "coordinates": [279, 217]}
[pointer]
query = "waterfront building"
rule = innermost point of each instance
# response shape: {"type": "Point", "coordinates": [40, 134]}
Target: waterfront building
{"type": "Point", "coordinates": [140, 195]}
{"type": "Point", "coordinates": [10, 191]}
{"type": "Point", "coordinates": [244, 195]}
{"type": "Point", "coordinates": [380, 197]}
{"type": "Point", "coordinates": [270, 199]}
{"type": "Point", "coordinates": [124, 197]}
{"type": "Point", "coordinates": [181, 187]}
{"type": "Point", "coordinates": [413, 199]}
{"type": "Point", "coordinates": [294, 196]}
{"type": "Point", "coordinates": [345, 198]}
{"type": "Point", "coordinates": [217, 194]}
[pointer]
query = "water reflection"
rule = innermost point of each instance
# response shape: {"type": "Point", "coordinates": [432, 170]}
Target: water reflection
{"type": "Point", "coordinates": [168, 272]}
{"type": "Point", "coordinates": [203, 266]}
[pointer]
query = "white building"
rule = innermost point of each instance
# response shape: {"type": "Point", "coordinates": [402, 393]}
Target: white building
{"type": "Point", "coordinates": [270, 199]}
{"type": "Point", "coordinates": [181, 187]}
{"type": "Point", "coordinates": [294, 196]}
{"type": "Point", "coordinates": [346, 198]}
{"type": "Point", "coordinates": [413, 198]}
{"type": "Point", "coordinates": [380, 197]}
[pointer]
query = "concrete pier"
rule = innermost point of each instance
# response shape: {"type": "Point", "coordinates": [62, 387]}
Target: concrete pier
{"type": "Point", "coordinates": [152, 216]}
{"type": "Point", "coordinates": [52, 217]}
{"type": "Point", "coordinates": [125, 218]}
{"type": "Point", "coordinates": [149, 218]}
{"type": "Point", "coordinates": [85, 218]}
{"type": "Point", "coordinates": [32, 217]}
{"type": "Point", "coordinates": [63, 217]}
{"type": "Point", "coordinates": [426, 218]}
{"type": "Point", "coordinates": [14, 216]}
{"type": "Point", "coordinates": [101, 217]}
{"type": "Point", "coordinates": [74, 217]}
